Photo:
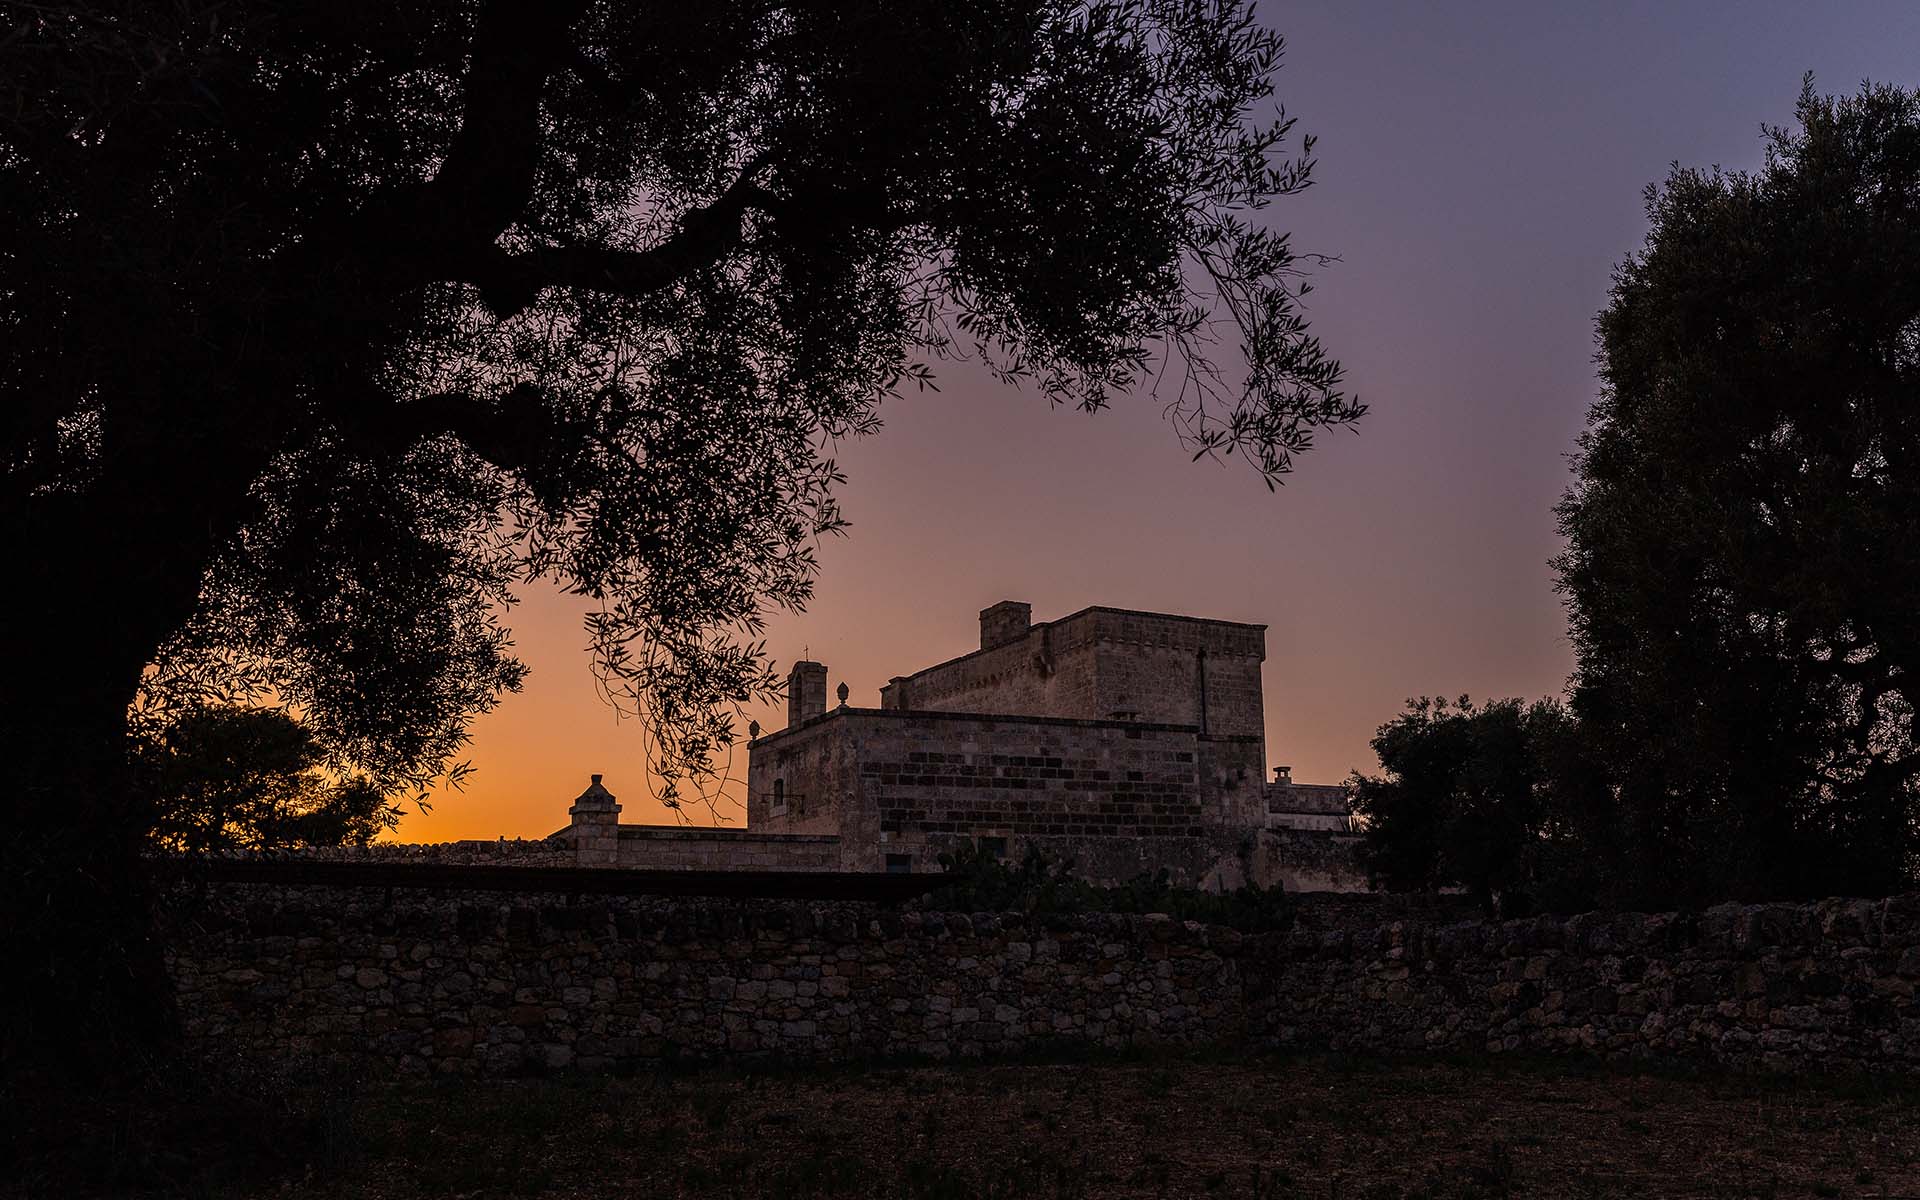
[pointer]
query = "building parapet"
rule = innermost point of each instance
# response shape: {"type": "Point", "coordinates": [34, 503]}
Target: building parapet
{"type": "Point", "coordinates": [704, 833]}
{"type": "Point", "coordinates": [1099, 662]}
{"type": "Point", "coordinates": [920, 714]}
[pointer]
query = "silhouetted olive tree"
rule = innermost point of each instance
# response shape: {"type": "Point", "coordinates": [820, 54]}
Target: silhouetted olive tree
{"type": "Point", "coordinates": [1744, 527]}
{"type": "Point", "coordinates": [323, 326]}
{"type": "Point", "coordinates": [229, 778]}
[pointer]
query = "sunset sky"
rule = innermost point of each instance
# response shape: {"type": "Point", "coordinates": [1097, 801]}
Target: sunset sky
{"type": "Point", "coordinates": [1480, 171]}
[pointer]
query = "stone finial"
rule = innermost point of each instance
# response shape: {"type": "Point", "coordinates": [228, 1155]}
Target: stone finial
{"type": "Point", "coordinates": [595, 827]}
{"type": "Point", "coordinates": [841, 692]}
{"type": "Point", "coordinates": [595, 796]}
{"type": "Point", "coordinates": [753, 730]}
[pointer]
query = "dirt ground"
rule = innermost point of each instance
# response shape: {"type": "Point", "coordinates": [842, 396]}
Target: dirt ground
{"type": "Point", "coordinates": [1202, 1127]}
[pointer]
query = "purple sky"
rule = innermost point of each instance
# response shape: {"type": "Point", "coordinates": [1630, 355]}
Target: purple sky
{"type": "Point", "coordinates": [1480, 171]}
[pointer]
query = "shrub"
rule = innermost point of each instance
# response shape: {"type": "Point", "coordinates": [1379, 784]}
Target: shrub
{"type": "Point", "coordinates": [1042, 883]}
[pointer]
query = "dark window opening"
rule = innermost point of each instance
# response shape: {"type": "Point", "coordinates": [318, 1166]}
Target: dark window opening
{"type": "Point", "coordinates": [899, 864]}
{"type": "Point", "coordinates": [779, 795]}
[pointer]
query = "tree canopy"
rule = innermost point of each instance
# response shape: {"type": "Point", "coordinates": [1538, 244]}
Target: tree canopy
{"type": "Point", "coordinates": [228, 778]}
{"type": "Point", "coordinates": [1743, 532]}
{"type": "Point", "coordinates": [1491, 798]}
{"type": "Point", "coordinates": [327, 324]}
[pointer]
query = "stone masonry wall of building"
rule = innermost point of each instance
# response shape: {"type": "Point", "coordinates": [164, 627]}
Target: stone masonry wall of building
{"type": "Point", "coordinates": [1117, 799]}
{"type": "Point", "coordinates": [1324, 806]}
{"type": "Point", "coordinates": [1142, 782]}
{"type": "Point", "coordinates": [1152, 665]}
{"type": "Point", "coordinates": [1099, 662]}
{"type": "Point", "coordinates": [810, 769]}
{"type": "Point", "coordinates": [1037, 766]}
{"type": "Point", "coordinates": [398, 980]}
{"type": "Point", "coordinates": [1050, 672]}
{"type": "Point", "coordinates": [1325, 799]}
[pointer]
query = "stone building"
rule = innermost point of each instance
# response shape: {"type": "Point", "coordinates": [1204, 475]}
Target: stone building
{"type": "Point", "coordinates": [1122, 741]}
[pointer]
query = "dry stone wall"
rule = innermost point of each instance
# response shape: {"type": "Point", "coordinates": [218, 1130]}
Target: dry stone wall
{"type": "Point", "coordinates": [1827, 985]}
{"type": "Point", "coordinates": [415, 982]}
{"type": "Point", "coordinates": [682, 847]}
{"type": "Point", "coordinates": [554, 851]}
{"type": "Point", "coordinates": [399, 980]}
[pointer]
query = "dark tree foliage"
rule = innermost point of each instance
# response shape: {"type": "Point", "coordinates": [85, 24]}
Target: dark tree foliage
{"type": "Point", "coordinates": [1042, 885]}
{"type": "Point", "coordinates": [1493, 799]}
{"type": "Point", "coordinates": [325, 325]}
{"type": "Point", "coordinates": [1743, 534]}
{"type": "Point", "coordinates": [228, 778]}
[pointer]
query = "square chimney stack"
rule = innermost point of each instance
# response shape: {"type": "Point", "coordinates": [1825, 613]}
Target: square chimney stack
{"type": "Point", "coordinates": [1007, 621]}
{"type": "Point", "coordinates": [806, 693]}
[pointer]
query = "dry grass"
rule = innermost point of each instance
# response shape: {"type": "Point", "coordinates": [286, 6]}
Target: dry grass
{"type": "Point", "coordinates": [1186, 1127]}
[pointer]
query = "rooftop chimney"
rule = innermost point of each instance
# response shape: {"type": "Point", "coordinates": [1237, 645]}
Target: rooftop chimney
{"type": "Point", "coordinates": [806, 693]}
{"type": "Point", "coordinates": [1007, 621]}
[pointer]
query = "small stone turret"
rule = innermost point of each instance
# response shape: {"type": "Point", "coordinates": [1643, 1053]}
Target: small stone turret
{"type": "Point", "coordinates": [596, 827]}
{"type": "Point", "coordinates": [806, 693]}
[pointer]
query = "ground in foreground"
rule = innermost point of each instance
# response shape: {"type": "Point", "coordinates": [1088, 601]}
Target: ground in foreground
{"type": "Point", "coordinates": [1183, 1126]}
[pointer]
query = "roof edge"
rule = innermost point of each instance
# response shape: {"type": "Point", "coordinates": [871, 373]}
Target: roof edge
{"type": "Point", "coordinates": [1074, 616]}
